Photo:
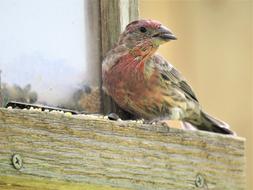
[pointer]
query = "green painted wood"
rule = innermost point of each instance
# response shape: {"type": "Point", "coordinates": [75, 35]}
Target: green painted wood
{"type": "Point", "coordinates": [26, 183]}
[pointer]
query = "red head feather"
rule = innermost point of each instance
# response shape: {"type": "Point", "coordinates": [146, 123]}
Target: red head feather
{"type": "Point", "coordinates": [151, 24]}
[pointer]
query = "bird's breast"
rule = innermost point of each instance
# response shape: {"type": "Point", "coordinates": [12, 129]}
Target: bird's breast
{"type": "Point", "coordinates": [132, 90]}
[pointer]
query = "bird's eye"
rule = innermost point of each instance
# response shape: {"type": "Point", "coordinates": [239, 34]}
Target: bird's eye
{"type": "Point", "coordinates": [143, 29]}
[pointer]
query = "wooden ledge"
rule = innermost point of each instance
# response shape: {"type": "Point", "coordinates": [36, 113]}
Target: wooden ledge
{"type": "Point", "coordinates": [87, 152]}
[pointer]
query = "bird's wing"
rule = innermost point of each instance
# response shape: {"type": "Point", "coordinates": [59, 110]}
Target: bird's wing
{"type": "Point", "coordinates": [174, 77]}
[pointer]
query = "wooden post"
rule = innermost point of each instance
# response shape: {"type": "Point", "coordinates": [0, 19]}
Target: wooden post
{"type": "Point", "coordinates": [115, 15]}
{"type": "Point", "coordinates": [60, 151]}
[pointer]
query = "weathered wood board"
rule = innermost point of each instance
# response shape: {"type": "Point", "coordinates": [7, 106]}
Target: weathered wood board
{"type": "Point", "coordinates": [87, 152]}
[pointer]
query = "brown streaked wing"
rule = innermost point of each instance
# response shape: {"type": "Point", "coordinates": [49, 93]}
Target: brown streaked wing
{"type": "Point", "coordinates": [169, 73]}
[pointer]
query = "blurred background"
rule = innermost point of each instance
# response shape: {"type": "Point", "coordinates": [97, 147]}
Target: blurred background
{"type": "Point", "coordinates": [214, 51]}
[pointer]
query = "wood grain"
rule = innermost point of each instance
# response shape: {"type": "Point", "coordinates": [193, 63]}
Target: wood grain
{"type": "Point", "coordinates": [88, 149]}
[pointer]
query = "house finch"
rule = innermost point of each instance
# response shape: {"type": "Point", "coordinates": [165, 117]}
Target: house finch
{"type": "Point", "coordinates": [146, 85]}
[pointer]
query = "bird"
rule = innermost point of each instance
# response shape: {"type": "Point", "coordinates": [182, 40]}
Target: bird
{"type": "Point", "coordinates": [145, 84]}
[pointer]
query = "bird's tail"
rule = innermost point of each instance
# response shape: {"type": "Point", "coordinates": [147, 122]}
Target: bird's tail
{"type": "Point", "coordinates": [209, 123]}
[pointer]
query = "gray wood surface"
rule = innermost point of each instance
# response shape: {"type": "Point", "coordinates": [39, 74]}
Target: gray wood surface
{"type": "Point", "coordinates": [89, 149]}
{"type": "Point", "coordinates": [115, 15]}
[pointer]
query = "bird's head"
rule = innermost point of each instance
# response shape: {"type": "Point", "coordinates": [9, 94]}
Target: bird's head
{"type": "Point", "coordinates": [143, 31]}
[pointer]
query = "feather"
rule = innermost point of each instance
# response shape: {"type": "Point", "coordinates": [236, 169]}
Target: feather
{"type": "Point", "coordinates": [169, 73]}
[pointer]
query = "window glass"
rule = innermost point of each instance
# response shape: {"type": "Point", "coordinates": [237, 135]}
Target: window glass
{"type": "Point", "coordinates": [49, 53]}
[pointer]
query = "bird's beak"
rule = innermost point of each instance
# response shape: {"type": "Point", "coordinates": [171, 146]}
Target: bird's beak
{"type": "Point", "coordinates": [164, 34]}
